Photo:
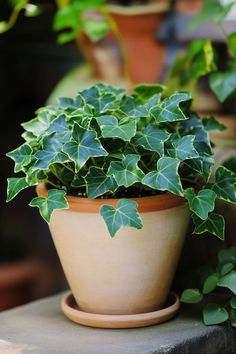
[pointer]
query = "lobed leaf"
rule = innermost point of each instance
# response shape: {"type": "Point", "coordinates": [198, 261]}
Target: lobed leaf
{"type": "Point", "coordinates": [214, 224]}
{"type": "Point", "coordinates": [98, 183]}
{"type": "Point", "coordinates": [111, 128]}
{"type": "Point", "coordinates": [202, 203]}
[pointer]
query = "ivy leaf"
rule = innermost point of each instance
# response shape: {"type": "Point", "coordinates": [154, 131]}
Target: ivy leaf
{"type": "Point", "coordinates": [40, 124]}
{"type": "Point", "coordinates": [60, 128]}
{"type": "Point", "coordinates": [146, 91]}
{"type": "Point", "coordinates": [15, 185]}
{"type": "Point", "coordinates": [211, 124]}
{"type": "Point", "coordinates": [223, 83]}
{"type": "Point", "coordinates": [125, 214]}
{"type": "Point", "coordinates": [210, 283]}
{"type": "Point", "coordinates": [55, 200]}
{"type": "Point", "coordinates": [228, 281]}
{"type": "Point", "coordinates": [202, 203]}
{"type": "Point", "coordinates": [84, 144]}
{"type": "Point", "coordinates": [169, 110]}
{"type": "Point", "coordinates": [227, 255]}
{"type": "Point", "coordinates": [202, 166]}
{"type": "Point", "coordinates": [126, 172]}
{"type": "Point", "coordinates": [21, 156]}
{"type": "Point", "coordinates": [98, 183]}
{"type": "Point", "coordinates": [166, 177]}
{"type": "Point", "coordinates": [232, 41]}
{"type": "Point", "coordinates": [214, 224]}
{"type": "Point", "coordinates": [182, 148]}
{"type": "Point", "coordinates": [51, 153]}
{"type": "Point", "coordinates": [226, 268]}
{"type": "Point", "coordinates": [111, 128]}
{"type": "Point", "coordinates": [191, 296]}
{"type": "Point", "coordinates": [214, 314]}
{"type": "Point", "coordinates": [224, 185]}
{"type": "Point", "coordinates": [102, 102]}
{"type": "Point", "coordinates": [152, 138]}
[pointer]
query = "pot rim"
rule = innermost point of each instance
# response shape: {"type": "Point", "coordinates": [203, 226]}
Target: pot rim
{"type": "Point", "coordinates": [145, 204]}
{"type": "Point", "coordinates": [161, 6]}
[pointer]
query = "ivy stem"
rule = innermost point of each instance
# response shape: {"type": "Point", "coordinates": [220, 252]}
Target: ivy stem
{"type": "Point", "coordinates": [52, 184]}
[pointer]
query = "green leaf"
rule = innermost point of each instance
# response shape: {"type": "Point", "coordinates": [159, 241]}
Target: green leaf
{"type": "Point", "coordinates": [233, 317]}
{"type": "Point", "coordinates": [226, 256]}
{"type": "Point", "coordinates": [95, 29]}
{"type": "Point", "coordinates": [214, 314]}
{"type": "Point", "coordinates": [211, 124]}
{"type": "Point", "coordinates": [232, 41]}
{"type": "Point", "coordinates": [146, 91]}
{"type": "Point", "coordinates": [15, 185]}
{"type": "Point", "coordinates": [215, 224]}
{"type": "Point", "coordinates": [182, 148]}
{"type": "Point", "coordinates": [224, 185]}
{"type": "Point", "coordinates": [84, 144]}
{"type": "Point", "coordinates": [3, 26]}
{"type": "Point", "coordinates": [21, 156]}
{"type": "Point", "coordinates": [228, 281]}
{"type": "Point", "coordinates": [233, 302]}
{"type": "Point", "coordinates": [191, 296]}
{"type": "Point", "coordinates": [126, 172]}
{"type": "Point", "coordinates": [60, 128]}
{"type": "Point", "coordinates": [210, 283]}
{"type": "Point", "coordinates": [202, 203]}
{"type": "Point", "coordinates": [51, 153]}
{"type": "Point", "coordinates": [125, 214]}
{"type": "Point", "coordinates": [223, 83]}
{"type": "Point", "coordinates": [111, 128]}
{"type": "Point", "coordinates": [169, 110]}
{"type": "Point", "coordinates": [55, 200]}
{"type": "Point", "coordinates": [226, 268]}
{"type": "Point", "coordinates": [152, 138]}
{"type": "Point", "coordinates": [40, 124]}
{"type": "Point", "coordinates": [101, 101]}
{"type": "Point", "coordinates": [32, 10]}
{"type": "Point", "coordinates": [98, 183]}
{"type": "Point", "coordinates": [166, 178]}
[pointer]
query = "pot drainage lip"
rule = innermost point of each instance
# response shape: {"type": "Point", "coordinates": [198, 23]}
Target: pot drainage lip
{"type": "Point", "coordinates": [72, 311]}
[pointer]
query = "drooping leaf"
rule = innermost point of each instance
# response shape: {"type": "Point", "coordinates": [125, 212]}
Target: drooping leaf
{"type": "Point", "coordinates": [214, 224]}
{"type": "Point", "coordinates": [98, 183]}
{"type": "Point", "coordinates": [224, 185]}
{"type": "Point", "coordinates": [166, 178]}
{"type": "Point", "coordinates": [83, 145]}
{"type": "Point", "coordinates": [228, 281]}
{"type": "Point", "coordinates": [126, 172]}
{"type": "Point", "coordinates": [202, 203]}
{"type": "Point", "coordinates": [169, 110]}
{"type": "Point", "coordinates": [182, 148]}
{"type": "Point", "coordinates": [152, 138]}
{"type": "Point", "coordinates": [211, 124]}
{"type": "Point", "coordinates": [191, 296]}
{"type": "Point", "coordinates": [15, 185]}
{"type": "Point", "coordinates": [111, 128]}
{"type": "Point", "coordinates": [223, 83]}
{"type": "Point", "coordinates": [210, 283]}
{"type": "Point", "coordinates": [21, 156]}
{"type": "Point", "coordinates": [55, 200]}
{"type": "Point", "coordinates": [125, 214]}
{"type": "Point", "coordinates": [214, 314]}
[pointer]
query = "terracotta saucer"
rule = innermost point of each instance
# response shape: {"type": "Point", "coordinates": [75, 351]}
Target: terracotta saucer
{"type": "Point", "coordinates": [72, 311]}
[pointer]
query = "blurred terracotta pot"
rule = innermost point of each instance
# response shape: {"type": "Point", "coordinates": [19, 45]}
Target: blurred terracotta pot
{"type": "Point", "coordinates": [130, 273]}
{"type": "Point", "coordinates": [138, 26]}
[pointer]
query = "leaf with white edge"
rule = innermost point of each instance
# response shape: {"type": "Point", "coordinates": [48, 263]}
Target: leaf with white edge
{"type": "Point", "coordinates": [202, 203]}
{"type": "Point", "coordinates": [21, 156]}
{"type": "Point", "coordinates": [102, 102]}
{"type": "Point", "coordinates": [214, 224]}
{"type": "Point", "coordinates": [169, 110]}
{"type": "Point", "coordinates": [224, 185]}
{"type": "Point", "coordinates": [211, 124]}
{"type": "Point", "coordinates": [40, 124]}
{"type": "Point", "coordinates": [223, 84]}
{"type": "Point", "coordinates": [152, 138]}
{"type": "Point", "coordinates": [125, 214]}
{"type": "Point", "coordinates": [98, 183]}
{"type": "Point", "coordinates": [200, 166]}
{"type": "Point", "coordinates": [166, 178]}
{"type": "Point", "coordinates": [15, 185]}
{"type": "Point", "coordinates": [210, 283]}
{"type": "Point", "coordinates": [146, 91]}
{"type": "Point", "coordinates": [228, 281]}
{"type": "Point", "coordinates": [60, 128]}
{"type": "Point", "coordinates": [191, 296]}
{"type": "Point", "coordinates": [111, 128]}
{"type": "Point", "coordinates": [126, 172]}
{"type": "Point", "coordinates": [182, 148]}
{"type": "Point", "coordinates": [51, 153]}
{"type": "Point", "coordinates": [84, 144]}
{"type": "Point", "coordinates": [55, 200]}
{"type": "Point", "coordinates": [116, 91]}
{"type": "Point", "coordinates": [214, 314]}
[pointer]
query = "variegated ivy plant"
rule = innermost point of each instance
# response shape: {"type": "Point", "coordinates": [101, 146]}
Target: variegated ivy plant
{"type": "Point", "coordinates": [105, 143]}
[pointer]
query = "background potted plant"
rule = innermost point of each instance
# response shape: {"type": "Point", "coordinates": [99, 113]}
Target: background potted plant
{"type": "Point", "coordinates": [137, 159]}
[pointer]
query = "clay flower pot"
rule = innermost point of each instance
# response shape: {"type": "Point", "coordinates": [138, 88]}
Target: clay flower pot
{"type": "Point", "coordinates": [130, 273]}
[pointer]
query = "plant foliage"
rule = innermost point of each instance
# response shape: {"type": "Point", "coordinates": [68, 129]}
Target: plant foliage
{"type": "Point", "coordinates": [106, 143]}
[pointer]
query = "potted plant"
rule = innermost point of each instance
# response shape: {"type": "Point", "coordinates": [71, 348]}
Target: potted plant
{"type": "Point", "coordinates": [110, 164]}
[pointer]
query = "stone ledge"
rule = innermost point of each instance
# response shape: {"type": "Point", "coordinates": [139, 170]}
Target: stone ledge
{"type": "Point", "coordinates": [41, 328]}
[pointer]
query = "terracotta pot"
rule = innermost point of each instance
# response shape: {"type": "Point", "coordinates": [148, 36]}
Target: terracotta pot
{"type": "Point", "coordinates": [130, 273]}
{"type": "Point", "coordinates": [138, 26]}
